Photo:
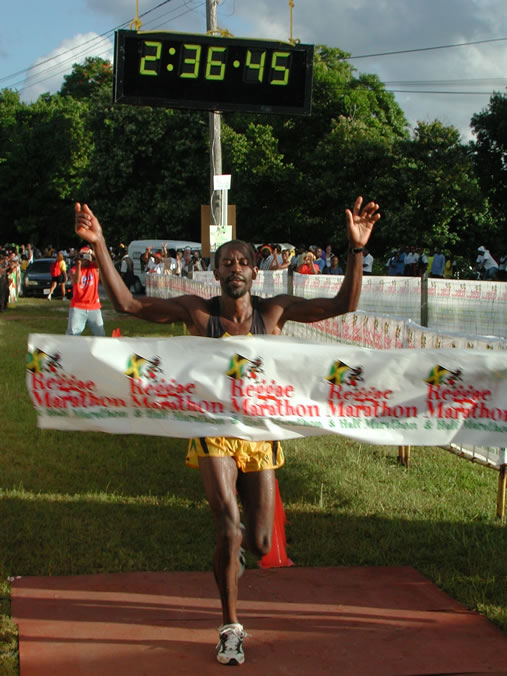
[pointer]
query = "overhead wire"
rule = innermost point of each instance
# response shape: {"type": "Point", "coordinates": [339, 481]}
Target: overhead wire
{"type": "Point", "coordinates": [188, 6]}
{"type": "Point", "coordinates": [62, 65]}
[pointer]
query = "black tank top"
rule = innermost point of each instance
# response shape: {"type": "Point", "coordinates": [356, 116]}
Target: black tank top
{"type": "Point", "coordinates": [215, 328]}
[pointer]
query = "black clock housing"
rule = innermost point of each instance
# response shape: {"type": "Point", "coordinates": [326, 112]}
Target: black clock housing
{"type": "Point", "coordinates": [203, 72]}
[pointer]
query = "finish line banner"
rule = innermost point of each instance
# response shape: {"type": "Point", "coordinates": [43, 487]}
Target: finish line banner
{"type": "Point", "coordinates": [267, 387]}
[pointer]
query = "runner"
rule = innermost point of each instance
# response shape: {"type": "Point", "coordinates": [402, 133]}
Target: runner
{"type": "Point", "coordinates": [233, 466]}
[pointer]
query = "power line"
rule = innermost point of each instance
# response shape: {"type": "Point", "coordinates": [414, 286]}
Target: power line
{"type": "Point", "coordinates": [62, 66]}
{"type": "Point", "coordinates": [74, 53]}
{"type": "Point", "coordinates": [440, 91]}
{"type": "Point", "coordinates": [425, 49]}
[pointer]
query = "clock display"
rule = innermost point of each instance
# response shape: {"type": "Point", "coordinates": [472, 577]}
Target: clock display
{"type": "Point", "coordinates": [177, 70]}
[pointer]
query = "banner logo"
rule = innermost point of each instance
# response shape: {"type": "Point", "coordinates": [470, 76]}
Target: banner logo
{"type": "Point", "coordinates": [439, 375]}
{"type": "Point", "coordinates": [343, 374]}
{"type": "Point", "coordinates": [39, 361]}
{"type": "Point", "coordinates": [242, 367]}
{"type": "Point", "coordinates": [139, 367]}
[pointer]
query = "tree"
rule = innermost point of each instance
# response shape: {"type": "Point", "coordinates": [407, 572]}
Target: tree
{"type": "Point", "coordinates": [87, 78]}
{"type": "Point", "coordinates": [44, 147]}
{"type": "Point", "coordinates": [149, 170]}
{"type": "Point", "coordinates": [490, 151]}
{"type": "Point", "coordinates": [430, 194]}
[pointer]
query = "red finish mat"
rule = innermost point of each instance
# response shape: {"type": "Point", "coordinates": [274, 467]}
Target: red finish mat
{"type": "Point", "coordinates": [346, 621]}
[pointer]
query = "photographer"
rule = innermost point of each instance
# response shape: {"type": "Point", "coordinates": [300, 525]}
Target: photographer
{"type": "Point", "coordinates": [85, 306]}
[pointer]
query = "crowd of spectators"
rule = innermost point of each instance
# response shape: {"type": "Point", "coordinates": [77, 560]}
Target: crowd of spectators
{"type": "Point", "coordinates": [408, 261]}
{"type": "Point", "coordinates": [182, 262]}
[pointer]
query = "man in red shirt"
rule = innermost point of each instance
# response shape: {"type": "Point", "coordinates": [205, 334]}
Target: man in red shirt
{"type": "Point", "coordinates": [85, 306]}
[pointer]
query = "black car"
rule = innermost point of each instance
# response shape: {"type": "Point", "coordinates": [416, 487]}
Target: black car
{"type": "Point", "coordinates": [37, 280]}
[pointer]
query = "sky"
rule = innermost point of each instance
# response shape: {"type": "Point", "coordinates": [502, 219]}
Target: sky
{"type": "Point", "coordinates": [442, 59]}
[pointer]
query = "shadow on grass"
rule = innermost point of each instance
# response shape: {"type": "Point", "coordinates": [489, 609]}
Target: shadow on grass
{"type": "Point", "coordinates": [43, 536]}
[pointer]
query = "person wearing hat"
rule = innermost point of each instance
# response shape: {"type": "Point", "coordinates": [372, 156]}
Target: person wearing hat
{"type": "Point", "coordinates": [85, 307]}
{"type": "Point", "coordinates": [486, 264]}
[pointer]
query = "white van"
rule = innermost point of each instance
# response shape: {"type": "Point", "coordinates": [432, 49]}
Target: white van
{"type": "Point", "coordinates": [139, 246]}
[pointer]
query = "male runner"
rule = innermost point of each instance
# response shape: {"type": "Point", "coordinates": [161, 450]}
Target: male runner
{"type": "Point", "coordinates": [229, 466]}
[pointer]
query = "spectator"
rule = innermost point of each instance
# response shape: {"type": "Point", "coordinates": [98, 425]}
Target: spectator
{"type": "Point", "coordinates": [394, 264]}
{"type": "Point", "coordinates": [334, 267]}
{"type": "Point", "coordinates": [275, 260]}
{"type": "Point", "coordinates": [367, 262]}
{"type": "Point", "coordinates": [320, 261]}
{"type": "Point", "coordinates": [308, 267]}
{"type": "Point", "coordinates": [297, 259]}
{"type": "Point", "coordinates": [411, 259]}
{"type": "Point", "coordinates": [422, 262]}
{"type": "Point", "coordinates": [438, 264]}
{"type": "Point", "coordinates": [265, 260]}
{"type": "Point", "coordinates": [172, 264]}
{"type": "Point", "coordinates": [127, 270]}
{"type": "Point", "coordinates": [449, 267]}
{"type": "Point", "coordinates": [4, 281]}
{"type": "Point", "coordinates": [285, 261]}
{"type": "Point", "coordinates": [486, 264]}
{"type": "Point", "coordinates": [157, 267]}
{"type": "Point", "coordinates": [85, 306]}
{"type": "Point", "coordinates": [502, 268]}
{"type": "Point", "coordinates": [328, 255]}
{"type": "Point", "coordinates": [58, 275]}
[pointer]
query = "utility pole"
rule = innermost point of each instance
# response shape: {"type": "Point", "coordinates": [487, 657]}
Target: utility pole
{"type": "Point", "coordinates": [215, 141]}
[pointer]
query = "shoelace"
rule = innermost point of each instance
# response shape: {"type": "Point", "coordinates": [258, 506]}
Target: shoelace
{"type": "Point", "coordinates": [231, 639]}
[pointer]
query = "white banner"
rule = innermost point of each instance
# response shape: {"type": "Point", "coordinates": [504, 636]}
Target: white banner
{"type": "Point", "coordinates": [267, 387]}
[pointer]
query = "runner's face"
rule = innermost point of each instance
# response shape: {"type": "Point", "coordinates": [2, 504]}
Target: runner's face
{"type": "Point", "coordinates": [235, 271]}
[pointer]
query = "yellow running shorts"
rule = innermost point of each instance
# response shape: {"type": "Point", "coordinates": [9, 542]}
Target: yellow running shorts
{"type": "Point", "coordinates": [250, 456]}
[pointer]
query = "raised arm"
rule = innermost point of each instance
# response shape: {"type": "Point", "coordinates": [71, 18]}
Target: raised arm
{"type": "Point", "coordinates": [360, 221]}
{"type": "Point", "coordinates": [152, 309]}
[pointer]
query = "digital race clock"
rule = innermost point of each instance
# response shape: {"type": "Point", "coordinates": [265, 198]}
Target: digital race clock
{"type": "Point", "coordinates": [176, 70]}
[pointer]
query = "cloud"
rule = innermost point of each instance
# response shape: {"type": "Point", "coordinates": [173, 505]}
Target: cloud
{"type": "Point", "coordinates": [47, 73]}
{"type": "Point", "coordinates": [362, 27]}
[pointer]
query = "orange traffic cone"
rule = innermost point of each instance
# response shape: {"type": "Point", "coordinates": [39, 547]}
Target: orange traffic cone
{"type": "Point", "coordinates": [277, 555]}
{"type": "Point", "coordinates": [116, 333]}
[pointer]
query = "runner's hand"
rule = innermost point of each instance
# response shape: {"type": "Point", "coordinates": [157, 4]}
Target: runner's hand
{"type": "Point", "coordinates": [360, 222]}
{"type": "Point", "coordinates": [87, 225]}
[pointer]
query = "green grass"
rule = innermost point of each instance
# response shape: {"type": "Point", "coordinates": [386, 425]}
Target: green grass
{"type": "Point", "coordinates": [75, 503]}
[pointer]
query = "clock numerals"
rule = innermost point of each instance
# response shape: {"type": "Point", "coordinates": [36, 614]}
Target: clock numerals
{"type": "Point", "coordinates": [150, 63]}
{"type": "Point", "coordinates": [280, 68]}
{"type": "Point", "coordinates": [216, 63]}
{"type": "Point", "coordinates": [191, 61]}
{"type": "Point", "coordinates": [254, 66]}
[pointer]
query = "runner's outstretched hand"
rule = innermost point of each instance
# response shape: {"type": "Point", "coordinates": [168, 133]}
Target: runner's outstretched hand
{"type": "Point", "coordinates": [360, 222]}
{"type": "Point", "coordinates": [87, 225]}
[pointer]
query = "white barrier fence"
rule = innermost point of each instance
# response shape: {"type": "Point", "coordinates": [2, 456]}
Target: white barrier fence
{"type": "Point", "coordinates": [464, 307]}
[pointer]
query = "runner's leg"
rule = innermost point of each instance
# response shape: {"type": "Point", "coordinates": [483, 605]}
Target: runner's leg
{"type": "Point", "coordinates": [219, 476]}
{"type": "Point", "coordinates": [257, 493]}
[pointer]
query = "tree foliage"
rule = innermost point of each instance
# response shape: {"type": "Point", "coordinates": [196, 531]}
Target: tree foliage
{"type": "Point", "coordinates": [149, 170]}
{"type": "Point", "coordinates": [431, 194]}
{"type": "Point", "coordinates": [44, 147]}
{"type": "Point", "coordinates": [490, 151]}
{"type": "Point", "coordinates": [88, 78]}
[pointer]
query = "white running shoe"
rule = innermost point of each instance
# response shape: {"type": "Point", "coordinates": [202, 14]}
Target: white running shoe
{"type": "Point", "coordinates": [230, 644]}
{"type": "Point", "coordinates": [49, 297]}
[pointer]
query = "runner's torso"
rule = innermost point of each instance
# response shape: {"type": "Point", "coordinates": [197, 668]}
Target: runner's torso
{"type": "Point", "coordinates": [215, 328]}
